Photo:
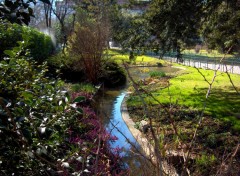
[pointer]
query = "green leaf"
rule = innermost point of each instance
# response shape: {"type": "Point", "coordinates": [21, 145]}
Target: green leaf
{"type": "Point", "coordinates": [79, 99]}
{"type": "Point", "coordinates": [10, 53]}
{"type": "Point", "coordinates": [80, 110]}
{"type": "Point", "coordinates": [27, 95]}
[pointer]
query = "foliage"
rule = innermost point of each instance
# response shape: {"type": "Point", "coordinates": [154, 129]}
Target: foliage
{"type": "Point", "coordinates": [9, 35]}
{"type": "Point", "coordinates": [175, 23]}
{"type": "Point", "coordinates": [113, 75]}
{"type": "Point", "coordinates": [130, 32]}
{"type": "Point", "coordinates": [38, 45]}
{"type": "Point", "coordinates": [204, 161]}
{"type": "Point", "coordinates": [83, 88]}
{"type": "Point", "coordinates": [86, 45]}
{"type": "Point", "coordinates": [119, 57]}
{"type": "Point", "coordinates": [43, 131]}
{"type": "Point", "coordinates": [18, 11]}
{"type": "Point", "coordinates": [220, 31]}
{"type": "Point", "coordinates": [189, 89]}
{"type": "Point", "coordinates": [157, 74]}
{"type": "Point", "coordinates": [97, 8]}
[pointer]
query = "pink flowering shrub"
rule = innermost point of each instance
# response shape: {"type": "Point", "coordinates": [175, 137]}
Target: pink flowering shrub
{"type": "Point", "coordinates": [93, 153]}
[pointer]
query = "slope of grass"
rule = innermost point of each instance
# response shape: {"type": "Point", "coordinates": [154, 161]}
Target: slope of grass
{"type": "Point", "coordinates": [190, 88]}
{"type": "Point", "coordinates": [120, 57]}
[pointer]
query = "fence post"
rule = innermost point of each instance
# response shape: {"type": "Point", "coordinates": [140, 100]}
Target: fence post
{"type": "Point", "coordinates": [215, 63]}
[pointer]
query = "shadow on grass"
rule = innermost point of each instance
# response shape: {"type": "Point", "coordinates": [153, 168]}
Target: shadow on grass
{"type": "Point", "coordinates": [220, 104]}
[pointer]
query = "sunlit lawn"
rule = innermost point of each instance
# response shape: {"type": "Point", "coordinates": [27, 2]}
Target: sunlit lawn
{"type": "Point", "coordinates": [119, 57]}
{"type": "Point", "coordinates": [190, 88]}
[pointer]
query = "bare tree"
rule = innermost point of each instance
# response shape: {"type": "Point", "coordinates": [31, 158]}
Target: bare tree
{"type": "Point", "coordinates": [62, 9]}
{"type": "Point", "coordinates": [87, 45]}
{"type": "Point", "coordinates": [48, 14]}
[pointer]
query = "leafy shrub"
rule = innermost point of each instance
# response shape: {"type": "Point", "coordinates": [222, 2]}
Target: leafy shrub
{"type": "Point", "coordinates": [36, 43]}
{"type": "Point", "coordinates": [113, 75]}
{"type": "Point", "coordinates": [157, 74]}
{"type": "Point", "coordinates": [83, 87]}
{"type": "Point", "coordinates": [39, 45]}
{"type": "Point", "coordinates": [87, 44]}
{"type": "Point", "coordinates": [9, 35]}
{"type": "Point", "coordinates": [42, 131]}
{"type": "Point", "coordinates": [66, 64]}
{"type": "Point", "coordinates": [204, 161]}
{"type": "Point", "coordinates": [159, 64]}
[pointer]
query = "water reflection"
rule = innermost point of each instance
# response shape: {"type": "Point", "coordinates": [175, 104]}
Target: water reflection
{"type": "Point", "coordinates": [110, 111]}
{"type": "Point", "coordinates": [108, 107]}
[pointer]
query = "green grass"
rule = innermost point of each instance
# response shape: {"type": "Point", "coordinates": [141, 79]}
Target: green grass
{"type": "Point", "coordinates": [189, 89]}
{"type": "Point", "coordinates": [157, 74]}
{"type": "Point", "coordinates": [81, 87]}
{"type": "Point", "coordinates": [120, 57]}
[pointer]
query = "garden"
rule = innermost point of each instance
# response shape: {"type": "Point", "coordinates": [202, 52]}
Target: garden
{"type": "Point", "coordinates": [56, 62]}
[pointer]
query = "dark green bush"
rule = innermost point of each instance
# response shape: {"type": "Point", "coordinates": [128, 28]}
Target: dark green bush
{"type": "Point", "coordinates": [39, 45]}
{"type": "Point", "coordinates": [114, 75]}
{"type": "Point", "coordinates": [9, 35]}
{"type": "Point", "coordinates": [36, 43]}
{"type": "Point", "coordinates": [66, 64]}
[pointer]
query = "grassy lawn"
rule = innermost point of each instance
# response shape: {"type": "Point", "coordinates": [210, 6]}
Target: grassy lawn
{"type": "Point", "coordinates": [186, 91]}
{"type": "Point", "coordinates": [189, 89]}
{"type": "Point", "coordinates": [119, 57]}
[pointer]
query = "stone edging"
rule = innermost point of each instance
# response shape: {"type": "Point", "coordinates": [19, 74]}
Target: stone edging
{"type": "Point", "coordinates": [143, 142]}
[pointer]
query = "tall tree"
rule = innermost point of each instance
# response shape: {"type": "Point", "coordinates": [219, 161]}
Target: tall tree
{"type": "Point", "coordinates": [221, 29]}
{"type": "Point", "coordinates": [129, 28]}
{"type": "Point", "coordinates": [87, 44]}
{"type": "Point", "coordinates": [62, 10]}
{"type": "Point", "coordinates": [48, 14]}
{"type": "Point", "coordinates": [175, 23]}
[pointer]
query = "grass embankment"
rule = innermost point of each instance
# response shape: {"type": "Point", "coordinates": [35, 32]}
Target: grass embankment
{"type": "Point", "coordinates": [120, 57]}
{"type": "Point", "coordinates": [186, 91]}
{"type": "Point", "coordinates": [218, 133]}
{"type": "Point", "coordinates": [190, 88]}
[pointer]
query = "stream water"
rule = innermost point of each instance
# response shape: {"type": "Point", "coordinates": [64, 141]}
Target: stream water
{"type": "Point", "coordinates": [108, 106]}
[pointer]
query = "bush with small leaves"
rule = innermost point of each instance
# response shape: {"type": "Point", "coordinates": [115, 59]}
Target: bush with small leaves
{"type": "Point", "coordinates": [38, 45]}
{"type": "Point", "coordinates": [44, 130]}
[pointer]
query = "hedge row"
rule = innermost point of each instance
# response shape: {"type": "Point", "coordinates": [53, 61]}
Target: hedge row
{"type": "Point", "coordinates": [38, 45]}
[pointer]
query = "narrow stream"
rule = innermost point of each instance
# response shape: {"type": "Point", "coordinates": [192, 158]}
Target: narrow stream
{"type": "Point", "coordinates": [108, 106]}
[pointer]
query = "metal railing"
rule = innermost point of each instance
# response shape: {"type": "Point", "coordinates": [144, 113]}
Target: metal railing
{"type": "Point", "coordinates": [231, 65]}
